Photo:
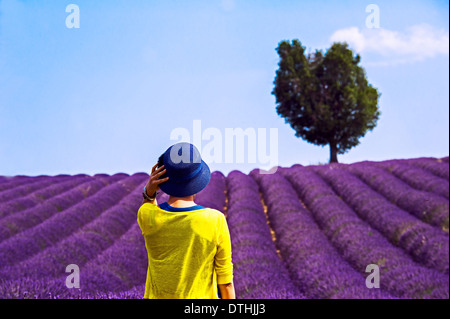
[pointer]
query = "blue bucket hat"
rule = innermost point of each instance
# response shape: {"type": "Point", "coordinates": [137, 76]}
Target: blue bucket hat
{"type": "Point", "coordinates": [188, 173]}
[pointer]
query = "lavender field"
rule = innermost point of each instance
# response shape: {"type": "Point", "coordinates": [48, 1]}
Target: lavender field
{"type": "Point", "coordinates": [303, 232]}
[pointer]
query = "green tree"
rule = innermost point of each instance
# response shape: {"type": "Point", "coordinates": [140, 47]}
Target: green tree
{"type": "Point", "coordinates": [326, 98]}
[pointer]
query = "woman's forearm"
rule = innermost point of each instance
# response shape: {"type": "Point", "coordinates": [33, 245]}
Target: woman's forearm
{"type": "Point", "coordinates": [227, 291]}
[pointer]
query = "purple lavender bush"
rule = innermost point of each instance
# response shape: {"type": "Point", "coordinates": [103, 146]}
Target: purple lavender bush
{"type": "Point", "coordinates": [313, 262]}
{"type": "Point", "coordinates": [360, 244]}
{"type": "Point", "coordinates": [426, 244]}
{"type": "Point", "coordinates": [213, 195]}
{"type": "Point", "coordinates": [61, 225]}
{"type": "Point", "coordinates": [258, 270]}
{"type": "Point", "coordinates": [433, 165]}
{"type": "Point", "coordinates": [119, 271]}
{"type": "Point", "coordinates": [37, 184]}
{"type": "Point", "coordinates": [9, 183]}
{"type": "Point", "coordinates": [86, 243]}
{"type": "Point", "coordinates": [23, 219]}
{"type": "Point", "coordinates": [417, 177]}
{"type": "Point", "coordinates": [430, 208]}
{"type": "Point", "coordinates": [32, 199]}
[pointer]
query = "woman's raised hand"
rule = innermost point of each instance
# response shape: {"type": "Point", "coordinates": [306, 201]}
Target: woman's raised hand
{"type": "Point", "coordinates": [154, 181]}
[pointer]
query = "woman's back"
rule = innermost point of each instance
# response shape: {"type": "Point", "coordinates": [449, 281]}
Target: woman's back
{"type": "Point", "coordinates": [189, 251]}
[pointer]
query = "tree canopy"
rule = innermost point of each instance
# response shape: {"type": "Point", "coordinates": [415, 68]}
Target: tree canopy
{"type": "Point", "coordinates": [326, 98]}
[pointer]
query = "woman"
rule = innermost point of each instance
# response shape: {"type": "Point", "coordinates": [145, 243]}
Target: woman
{"type": "Point", "coordinates": [188, 245]}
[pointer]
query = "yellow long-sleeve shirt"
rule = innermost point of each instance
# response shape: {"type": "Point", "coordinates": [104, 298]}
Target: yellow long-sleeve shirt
{"type": "Point", "coordinates": [189, 251]}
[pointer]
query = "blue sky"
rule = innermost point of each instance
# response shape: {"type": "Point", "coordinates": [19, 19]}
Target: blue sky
{"type": "Point", "coordinates": [105, 97]}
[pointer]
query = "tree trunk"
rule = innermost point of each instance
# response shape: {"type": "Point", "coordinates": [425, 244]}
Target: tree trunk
{"type": "Point", "coordinates": [333, 153]}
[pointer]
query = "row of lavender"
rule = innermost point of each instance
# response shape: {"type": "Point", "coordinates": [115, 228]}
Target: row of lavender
{"type": "Point", "coordinates": [87, 233]}
{"type": "Point", "coordinates": [360, 244]}
{"type": "Point", "coordinates": [49, 231]}
{"type": "Point", "coordinates": [430, 207]}
{"type": "Point", "coordinates": [315, 265]}
{"type": "Point", "coordinates": [259, 272]}
{"type": "Point", "coordinates": [426, 244]}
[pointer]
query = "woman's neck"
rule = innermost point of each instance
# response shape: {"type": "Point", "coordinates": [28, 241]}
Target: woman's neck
{"type": "Point", "coordinates": [181, 202]}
